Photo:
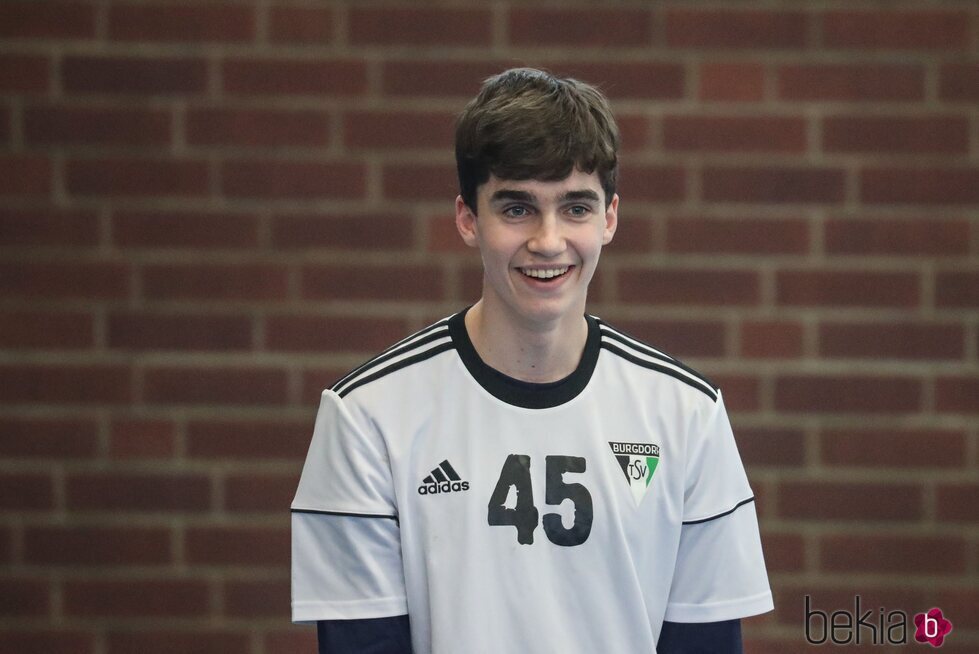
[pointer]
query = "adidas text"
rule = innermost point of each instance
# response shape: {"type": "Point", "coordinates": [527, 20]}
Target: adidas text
{"type": "Point", "coordinates": [443, 487]}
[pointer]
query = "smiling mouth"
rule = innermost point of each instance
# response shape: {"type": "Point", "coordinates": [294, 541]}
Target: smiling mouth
{"type": "Point", "coordinates": [546, 274]}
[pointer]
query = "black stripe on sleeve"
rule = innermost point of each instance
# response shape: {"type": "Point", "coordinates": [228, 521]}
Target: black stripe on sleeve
{"type": "Point", "coordinates": [693, 383]}
{"type": "Point", "coordinates": [346, 514]}
{"type": "Point", "coordinates": [720, 515]}
{"type": "Point", "coordinates": [403, 363]}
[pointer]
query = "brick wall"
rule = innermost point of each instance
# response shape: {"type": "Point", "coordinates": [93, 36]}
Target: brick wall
{"type": "Point", "coordinates": [210, 210]}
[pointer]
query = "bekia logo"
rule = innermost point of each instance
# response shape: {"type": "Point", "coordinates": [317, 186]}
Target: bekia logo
{"type": "Point", "coordinates": [885, 628]}
{"type": "Point", "coordinates": [931, 627]}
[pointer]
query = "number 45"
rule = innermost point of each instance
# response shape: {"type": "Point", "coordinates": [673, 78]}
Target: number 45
{"type": "Point", "coordinates": [524, 516]}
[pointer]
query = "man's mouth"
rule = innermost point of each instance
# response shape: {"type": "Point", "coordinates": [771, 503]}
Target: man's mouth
{"type": "Point", "coordinates": [546, 274]}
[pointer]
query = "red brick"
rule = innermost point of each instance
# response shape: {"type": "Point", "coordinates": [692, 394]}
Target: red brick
{"type": "Point", "coordinates": [591, 27]}
{"type": "Point", "coordinates": [145, 331]}
{"type": "Point", "coordinates": [96, 546]}
{"type": "Point", "coordinates": [25, 175]}
{"type": "Point", "coordinates": [47, 438]}
{"type": "Point", "coordinates": [301, 638]}
{"type": "Point", "coordinates": [737, 235]}
{"type": "Point", "coordinates": [304, 333]}
{"type": "Point", "coordinates": [65, 384]}
{"type": "Point", "coordinates": [633, 235]}
{"type": "Point", "coordinates": [741, 392]}
{"type": "Point", "coordinates": [769, 446]}
{"type": "Point", "coordinates": [686, 338]}
{"type": "Point", "coordinates": [216, 282]}
{"type": "Point", "coordinates": [249, 493]}
{"type": "Point", "coordinates": [137, 177]}
{"type": "Point", "coordinates": [896, 30]}
{"type": "Point", "coordinates": [157, 492]}
{"type": "Point", "coordinates": [49, 227]}
{"type": "Point", "coordinates": [783, 552]}
{"type": "Point", "coordinates": [818, 500]}
{"type": "Point", "coordinates": [420, 182]}
{"type": "Point", "coordinates": [893, 448]}
{"type": "Point", "coordinates": [962, 603]}
{"type": "Point", "coordinates": [771, 339]}
{"type": "Point", "coordinates": [24, 73]}
{"type": "Point", "coordinates": [924, 236]}
{"type": "Point", "coordinates": [26, 492]}
{"type": "Point", "coordinates": [6, 547]}
{"type": "Point", "coordinates": [419, 26]}
{"type": "Point", "coordinates": [689, 287]}
{"type": "Point", "coordinates": [258, 128]}
{"type": "Point", "coordinates": [326, 282]}
{"type": "Point", "coordinates": [851, 394]}
{"type": "Point", "coordinates": [440, 78]}
{"type": "Point", "coordinates": [893, 340]}
{"type": "Point", "coordinates": [47, 20]}
{"type": "Point", "coordinates": [959, 82]}
{"type": "Point", "coordinates": [135, 438]}
{"type": "Point", "coordinates": [394, 231]}
{"type": "Point", "coordinates": [276, 180]}
{"type": "Point", "coordinates": [257, 599]}
{"type": "Point", "coordinates": [939, 186]}
{"type": "Point", "coordinates": [444, 237]}
{"type": "Point", "coordinates": [957, 502]}
{"type": "Point", "coordinates": [158, 75]}
{"type": "Point", "coordinates": [136, 598]}
{"type": "Point", "coordinates": [237, 440]}
{"type": "Point", "coordinates": [227, 386]}
{"type": "Point", "coordinates": [238, 546]}
{"type": "Point", "coordinates": [46, 330]}
{"type": "Point", "coordinates": [312, 25]}
{"type": "Point", "coordinates": [732, 82]}
{"type": "Point", "coordinates": [957, 289]}
{"type": "Point", "coordinates": [896, 134]}
{"type": "Point", "coordinates": [713, 28]}
{"type": "Point", "coordinates": [186, 642]}
{"type": "Point", "coordinates": [88, 280]}
{"type": "Point", "coordinates": [184, 23]}
{"type": "Point", "coordinates": [880, 553]}
{"type": "Point", "coordinates": [47, 642]}
{"type": "Point", "coordinates": [642, 80]}
{"type": "Point", "coordinates": [957, 394]}
{"type": "Point", "coordinates": [24, 598]}
{"type": "Point", "coordinates": [67, 125]}
{"type": "Point", "coordinates": [5, 122]}
{"type": "Point", "coordinates": [851, 82]}
{"type": "Point", "coordinates": [184, 229]}
{"type": "Point", "coordinates": [734, 134]}
{"type": "Point", "coordinates": [279, 77]}
{"type": "Point", "coordinates": [646, 183]}
{"type": "Point", "coordinates": [635, 131]}
{"type": "Point", "coordinates": [317, 379]}
{"type": "Point", "coordinates": [397, 130]}
{"type": "Point", "coordinates": [774, 185]}
{"type": "Point", "coordinates": [847, 288]}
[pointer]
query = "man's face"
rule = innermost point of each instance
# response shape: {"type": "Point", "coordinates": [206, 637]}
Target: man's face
{"type": "Point", "coordinates": [540, 243]}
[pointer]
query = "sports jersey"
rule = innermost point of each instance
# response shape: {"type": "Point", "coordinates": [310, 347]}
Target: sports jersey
{"type": "Point", "coordinates": [504, 516]}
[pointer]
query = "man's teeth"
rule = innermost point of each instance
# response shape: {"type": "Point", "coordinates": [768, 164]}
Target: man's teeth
{"type": "Point", "coordinates": [545, 274]}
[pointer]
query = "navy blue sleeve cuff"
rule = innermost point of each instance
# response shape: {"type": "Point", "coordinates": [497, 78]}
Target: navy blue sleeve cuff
{"type": "Point", "coordinates": [700, 638]}
{"type": "Point", "coordinates": [371, 636]}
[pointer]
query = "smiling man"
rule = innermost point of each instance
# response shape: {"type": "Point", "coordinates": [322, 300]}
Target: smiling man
{"type": "Point", "coordinates": [522, 477]}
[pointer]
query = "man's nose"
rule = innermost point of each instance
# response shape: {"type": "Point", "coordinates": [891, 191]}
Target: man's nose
{"type": "Point", "coordinates": [548, 239]}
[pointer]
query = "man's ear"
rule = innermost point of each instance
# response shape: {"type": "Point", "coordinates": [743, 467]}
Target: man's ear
{"type": "Point", "coordinates": [611, 220]}
{"type": "Point", "coordinates": [466, 223]}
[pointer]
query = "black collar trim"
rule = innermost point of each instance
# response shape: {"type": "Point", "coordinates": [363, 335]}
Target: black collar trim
{"type": "Point", "coordinates": [521, 393]}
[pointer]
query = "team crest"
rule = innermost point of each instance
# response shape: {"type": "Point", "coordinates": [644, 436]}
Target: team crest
{"type": "Point", "coordinates": [638, 462]}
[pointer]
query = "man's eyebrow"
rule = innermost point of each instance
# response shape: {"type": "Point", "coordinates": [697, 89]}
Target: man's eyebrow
{"type": "Point", "coordinates": [586, 194]}
{"type": "Point", "coordinates": [512, 194]}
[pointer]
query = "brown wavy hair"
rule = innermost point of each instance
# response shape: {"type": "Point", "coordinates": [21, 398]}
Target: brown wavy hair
{"type": "Point", "coordinates": [528, 124]}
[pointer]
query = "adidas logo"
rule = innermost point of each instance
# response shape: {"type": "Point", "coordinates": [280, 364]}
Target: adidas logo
{"type": "Point", "coordinates": [444, 479]}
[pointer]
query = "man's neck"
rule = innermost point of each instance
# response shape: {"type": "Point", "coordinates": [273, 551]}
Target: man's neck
{"type": "Point", "coordinates": [544, 353]}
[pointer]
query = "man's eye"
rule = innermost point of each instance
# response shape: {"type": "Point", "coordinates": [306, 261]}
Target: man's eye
{"type": "Point", "coordinates": [579, 211]}
{"type": "Point", "coordinates": [515, 212]}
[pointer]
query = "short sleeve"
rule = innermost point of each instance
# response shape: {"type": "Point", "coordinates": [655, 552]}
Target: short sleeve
{"type": "Point", "coordinates": [720, 569]}
{"type": "Point", "coordinates": [346, 548]}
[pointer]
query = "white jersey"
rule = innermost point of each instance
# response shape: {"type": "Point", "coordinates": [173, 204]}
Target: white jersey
{"type": "Point", "coordinates": [503, 516]}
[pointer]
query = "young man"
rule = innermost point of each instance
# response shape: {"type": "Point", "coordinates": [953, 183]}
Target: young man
{"type": "Point", "coordinates": [522, 477]}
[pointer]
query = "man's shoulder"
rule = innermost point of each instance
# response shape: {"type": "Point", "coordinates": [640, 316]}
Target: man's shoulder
{"type": "Point", "coordinates": [410, 353]}
{"type": "Point", "coordinates": [643, 359]}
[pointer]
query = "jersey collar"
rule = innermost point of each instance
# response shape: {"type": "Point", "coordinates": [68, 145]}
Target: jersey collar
{"type": "Point", "coordinates": [521, 393]}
